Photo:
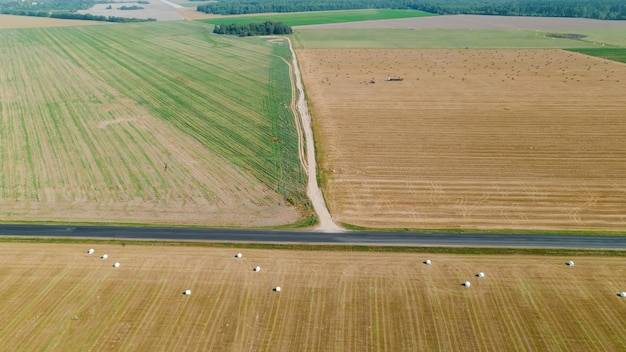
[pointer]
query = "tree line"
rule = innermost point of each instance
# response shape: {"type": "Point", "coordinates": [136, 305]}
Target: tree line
{"type": "Point", "coordinates": [74, 16]}
{"type": "Point", "coordinates": [598, 9]}
{"type": "Point", "coordinates": [88, 17]}
{"type": "Point", "coordinates": [264, 28]}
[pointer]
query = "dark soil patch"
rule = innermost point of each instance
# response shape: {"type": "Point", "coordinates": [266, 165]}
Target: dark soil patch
{"type": "Point", "coordinates": [573, 36]}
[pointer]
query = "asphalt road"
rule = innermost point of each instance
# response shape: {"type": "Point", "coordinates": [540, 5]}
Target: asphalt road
{"type": "Point", "coordinates": [366, 238]}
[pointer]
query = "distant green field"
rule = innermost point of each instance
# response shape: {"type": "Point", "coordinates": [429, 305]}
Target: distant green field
{"type": "Point", "coordinates": [429, 39]}
{"type": "Point", "coordinates": [323, 17]}
{"type": "Point", "coordinates": [185, 3]}
{"type": "Point", "coordinates": [615, 54]}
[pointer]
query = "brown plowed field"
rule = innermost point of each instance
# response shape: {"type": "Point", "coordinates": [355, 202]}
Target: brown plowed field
{"type": "Point", "coordinates": [57, 297]}
{"type": "Point", "coordinates": [520, 139]}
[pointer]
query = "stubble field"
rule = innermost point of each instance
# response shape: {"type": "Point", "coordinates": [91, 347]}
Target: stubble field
{"type": "Point", "coordinates": [341, 301]}
{"type": "Point", "coordinates": [491, 139]}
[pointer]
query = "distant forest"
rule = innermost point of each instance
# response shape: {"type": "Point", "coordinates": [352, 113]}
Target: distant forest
{"type": "Point", "coordinates": [265, 28]}
{"type": "Point", "coordinates": [598, 9]}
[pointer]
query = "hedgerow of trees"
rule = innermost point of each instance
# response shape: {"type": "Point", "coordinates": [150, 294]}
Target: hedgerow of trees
{"type": "Point", "coordinates": [264, 28]}
{"type": "Point", "coordinates": [598, 9]}
{"type": "Point", "coordinates": [89, 17]}
{"type": "Point", "coordinates": [134, 7]}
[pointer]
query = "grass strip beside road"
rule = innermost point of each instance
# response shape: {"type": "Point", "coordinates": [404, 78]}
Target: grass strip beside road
{"type": "Point", "coordinates": [491, 231]}
{"type": "Point", "coordinates": [331, 247]}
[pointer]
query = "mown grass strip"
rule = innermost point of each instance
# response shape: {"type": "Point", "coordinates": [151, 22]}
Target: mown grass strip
{"type": "Point", "coordinates": [284, 140]}
{"type": "Point", "coordinates": [322, 17]}
{"type": "Point", "coordinates": [333, 247]}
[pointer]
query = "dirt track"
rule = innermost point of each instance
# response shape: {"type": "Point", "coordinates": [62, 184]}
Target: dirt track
{"type": "Point", "coordinates": [302, 111]}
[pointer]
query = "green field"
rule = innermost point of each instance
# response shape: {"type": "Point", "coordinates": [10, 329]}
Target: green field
{"type": "Point", "coordinates": [231, 95]}
{"type": "Point", "coordinates": [615, 54]}
{"type": "Point", "coordinates": [430, 39]}
{"type": "Point", "coordinates": [322, 17]}
{"type": "Point", "coordinates": [91, 115]}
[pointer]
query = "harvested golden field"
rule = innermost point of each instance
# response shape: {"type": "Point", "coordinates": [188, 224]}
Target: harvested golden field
{"type": "Point", "coordinates": [10, 21]}
{"type": "Point", "coordinates": [329, 301]}
{"type": "Point", "coordinates": [491, 139]}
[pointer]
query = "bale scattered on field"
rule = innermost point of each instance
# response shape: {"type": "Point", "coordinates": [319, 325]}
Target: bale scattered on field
{"type": "Point", "coordinates": [622, 294]}
{"type": "Point", "coordinates": [90, 251]}
{"type": "Point", "coordinates": [466, 284]}
{"type": "Point", "coordinates": [238, 255]}
{"type": "Point", "coordinates": [277, 289]}
{"type": "Point", "coordinates": [187, 292]}
{"type": "Point", "coordinates": [116, 265]}
{"type": "Point", "coordinates": [427, 262]}
{"type": "Point", "coordinates": [480, 274]}
{"type": "Point", "coordinates": [257, 269]}
{"type": "Point", "coordinates": [104, 256]}
{"type": "Point", "coordinates": [570, 263]}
